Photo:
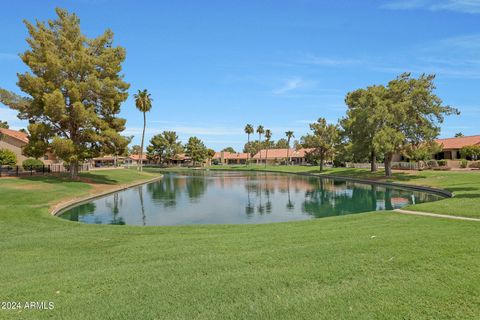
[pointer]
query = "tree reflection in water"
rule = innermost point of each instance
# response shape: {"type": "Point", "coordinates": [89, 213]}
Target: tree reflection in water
{"type": "Point", "coordinates": [115, 210]}
{"type": "Point", "coordinates": [142, 206]}
{"type": "Point", "coordinates": [212, 197]}
{"type": "Point", "coordinates": [75, 213]}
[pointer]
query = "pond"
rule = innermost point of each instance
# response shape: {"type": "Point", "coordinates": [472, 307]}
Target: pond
{"type": "Point", "coordinates": [213, 197]}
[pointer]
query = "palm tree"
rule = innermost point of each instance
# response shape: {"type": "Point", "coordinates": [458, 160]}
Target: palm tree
{"type": "Point", "coordinates": [268, 135]}
{"type": "Point", "coordinates": [248, 131]}
{"type": "Point", "coordinates": [143, 102]}
{"type": "Point", "coordinates": [260, 131]}
{"type": "Point", "coordinates": [289, 135]}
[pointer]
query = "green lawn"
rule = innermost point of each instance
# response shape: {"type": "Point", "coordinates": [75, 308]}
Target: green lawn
{"type": "Point", "coordinates": [464, 185]}
{"type": "Point", "coordinates": [368, 266]}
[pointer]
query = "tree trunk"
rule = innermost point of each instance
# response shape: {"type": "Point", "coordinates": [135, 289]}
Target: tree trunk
{"type": "Point", "coordinates": [388, 164]}
{"type": "Point", "coordinates": [321, 163]}
{"type": "Point", "coordinates": [248, 152]}
{"type": "Point", "coordinates": [74, 169]}
{"type": "Point", "coordinates": [143, 137]}
{"type": "Point", "coordinates": [288, 151]}
{"type": "Point", "coordinates": [373, 162]}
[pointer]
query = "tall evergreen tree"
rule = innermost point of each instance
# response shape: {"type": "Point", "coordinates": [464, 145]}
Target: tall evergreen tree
{"type": "Point", "coordinates": [73, 86]}
{"type": "Point", "coordinates": [196, 150]}
{"type": "Point", "coordinates": [164, 147]}
{"type": "Point", "coordinates": [268, 136]}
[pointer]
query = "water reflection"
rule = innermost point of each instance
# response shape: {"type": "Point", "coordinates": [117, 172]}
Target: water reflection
{"type": "Point", "coordinates": [223, 197]}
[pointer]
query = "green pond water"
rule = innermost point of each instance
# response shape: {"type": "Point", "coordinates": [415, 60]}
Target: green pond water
{"type": "Point", "coordinates": [208, 197]}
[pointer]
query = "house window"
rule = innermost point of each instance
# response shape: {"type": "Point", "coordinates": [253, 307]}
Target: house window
{"type": "Point", "coordinates": [45, 157]}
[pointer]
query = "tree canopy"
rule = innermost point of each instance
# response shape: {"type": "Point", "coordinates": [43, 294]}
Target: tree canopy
{"type": "Point", "coordinates": [229, 149]}
{"type": "Point", "coordinates": [196, 150]}
{"type": "Point", "coordinates": [74, 89]}
{"type": "Point", "coordinates": [322, 140]}
{"type": "Point", "coordinates": [387, 120]}
{"type": "Point", "coordinates": [4, 124]}
{"type": "Point", "coordinates": [164, 147]}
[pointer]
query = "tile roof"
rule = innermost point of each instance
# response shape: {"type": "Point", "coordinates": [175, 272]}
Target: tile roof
{"type": "Point", "coordinates": [230, 155]}
{"type": "Point", "coordinates": [137, 156]}
{"type": "Point", "coordinates": [281, 153]}
{"type": "Point", "coordinates": [22, 136]}
{"type": "Point", "coordinates": [460, 142]}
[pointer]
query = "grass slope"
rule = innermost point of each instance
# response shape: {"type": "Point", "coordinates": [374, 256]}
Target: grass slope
{"type": "Point", "coordinates": [465, 185]}
{"type": "Point", "coordinates": [367, 266]}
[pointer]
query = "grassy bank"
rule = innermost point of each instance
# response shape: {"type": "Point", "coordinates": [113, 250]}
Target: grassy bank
{"type": "Point", "coordinates": [367, 266]}
{"type": "Point", "coordinates": [465, 185]}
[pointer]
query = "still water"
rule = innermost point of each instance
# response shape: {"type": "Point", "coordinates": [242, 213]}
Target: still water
{"type": "Point", "coordinates": [238, 197]}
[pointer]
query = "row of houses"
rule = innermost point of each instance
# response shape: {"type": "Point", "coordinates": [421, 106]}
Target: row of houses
{"type": "Point", "coordinates": [16, 140]}
{"type": "Point", "coordinates": [270, 156]}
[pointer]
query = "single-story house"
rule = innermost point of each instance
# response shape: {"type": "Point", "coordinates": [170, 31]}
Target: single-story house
{"type": "Point", "coordinates": [451, 146]}
{"type": "Point", "coordinates": [107, 161]}
{"type": "Point", "coordinates": [181, 159]}
{"type": "Point", "coordinates": [274, 156]}
{"type": "Point", "coordinates": [225, 157]}
{"type": "Point", "coordinates": [134, 159]}
{"type": "Point", "coordinates": [15, 141]}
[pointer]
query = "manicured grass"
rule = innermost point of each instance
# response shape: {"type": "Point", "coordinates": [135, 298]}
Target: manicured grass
{"type": "Point", "coordinates": [465, 185]}
{"type": "Point", "coordinates": [368, 266]}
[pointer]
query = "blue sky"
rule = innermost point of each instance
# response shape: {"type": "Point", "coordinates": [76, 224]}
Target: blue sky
{"type": "Point", "coordinates": [213, 66]}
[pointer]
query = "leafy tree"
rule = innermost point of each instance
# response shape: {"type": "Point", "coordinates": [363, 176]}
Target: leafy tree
{"type": "Point", "coordinates": [260, 131]}
{"type": "Point", "coordinates": [196, 150]}
{"type": "Point", "coordinates": [7, 158]}
{"type": "Point", "coordinates": [472, 152]}
{"type": "Point", "coordinates": [164, 147]}
{"type": "Point", "coordinates": [135, 149]}
{"type": "Point", "coordinates": [289, 135]}
{"type": "Point", "coordinates": [281, 144]}
{"type": "Point", "coordinates": [143, 102]}
{"type": "Point", "coordinates": [413, 117]}
{"type": "Point", "coordinates": [268, 136]}
{"type": "Point", "coordinates": [459, 135]}
{"type": "Point", "coordinates": [229, 149]}
{"type": "Point", "coordinates": [385, 120]}
{"type": "Point", "coordinates": [365, 117]}
{"type": "Point", "coordinates": [74, 87]}
{"type": "Point", "coordinates": [248, 130]}
{"type": "Point", "coordinates": [115, 144]}
{"type": "Point", "coordinates": [423, 152]}
{"type": "Point", "coordinates": [38, 140]}
{"type": "Point", "coordinates": [4, 124]}
{"type": "Point", "coordinates": [323, 140]}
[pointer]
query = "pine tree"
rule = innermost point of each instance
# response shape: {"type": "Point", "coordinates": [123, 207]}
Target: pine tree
{"type": "Point", "coordinates": [74, 89]}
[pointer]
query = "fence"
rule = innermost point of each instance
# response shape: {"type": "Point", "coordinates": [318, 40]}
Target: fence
{"type": "Point", "coordinates": [363, 165]}
{"type": "Point", "coordinates": [15, 171]}
{"type": "Point", "coordinates": [395, 165]}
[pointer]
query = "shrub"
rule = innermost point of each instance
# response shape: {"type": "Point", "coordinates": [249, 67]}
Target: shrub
{"type": "Point", "coordinates": [463, 163]}
{"type": "Point", "coordinates": [475, 165]}
{"type": "Point", "coordinates": [432, 163]}
{"type": "Point", "coordinates": [7, 158]}
{"type": "Point", "coordinates": [32, 163]}
{"type": "Point", "coordinates": [442, 163]}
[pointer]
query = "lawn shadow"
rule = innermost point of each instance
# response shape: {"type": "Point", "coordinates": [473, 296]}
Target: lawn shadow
{"type": "Point", "coordinates": [64, 177]}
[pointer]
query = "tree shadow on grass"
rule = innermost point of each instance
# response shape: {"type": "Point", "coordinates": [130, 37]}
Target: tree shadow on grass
{"type": "Point", "coordinates": [62, 178]}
